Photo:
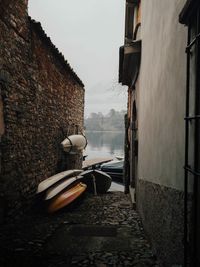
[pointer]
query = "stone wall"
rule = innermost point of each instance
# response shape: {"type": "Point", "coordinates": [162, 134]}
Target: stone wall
{"type": "Point", "coordinates": [162, 212]}
{"type": "Point", "coordinates": [42, 101]}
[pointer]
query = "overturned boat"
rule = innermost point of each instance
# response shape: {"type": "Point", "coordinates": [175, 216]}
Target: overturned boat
{"type": "Point", "coordinates": [47, 183]}
{"type": "Point", "coordinates": [96, 181]}
{"type": "Point", "coordinates": [65, 198]}
{"type": "Point", "coordinates": [63, 185]}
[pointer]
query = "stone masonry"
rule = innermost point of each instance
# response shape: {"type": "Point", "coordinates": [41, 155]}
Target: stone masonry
{"type": "Point", "coordinates": [41, 102]}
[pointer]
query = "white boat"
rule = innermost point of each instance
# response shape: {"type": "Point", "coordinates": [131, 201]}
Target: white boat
{"type": "Point", "coordinates": [56, 178]}
{"type": "Point", "coordinates": [119, 157]}
{"type": "Point", "coordinates": [74, 143]}
{"type": "Point", "coordinates": [57, 188]}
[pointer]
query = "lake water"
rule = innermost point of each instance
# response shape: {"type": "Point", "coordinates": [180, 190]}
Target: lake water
{"type": "Point", "coordinates": [105, 144]}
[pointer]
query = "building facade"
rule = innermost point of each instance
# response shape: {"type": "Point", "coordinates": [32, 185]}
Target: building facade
{"type": "Point", "coordinates": [41, 102]}
{"type": "Point", "coordinates": [163, 137]}
{"type": "Point", "coordinates": [190, 17]}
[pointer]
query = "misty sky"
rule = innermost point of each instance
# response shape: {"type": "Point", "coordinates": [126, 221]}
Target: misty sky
{"type": "Point", "coordinates": [89, 34]}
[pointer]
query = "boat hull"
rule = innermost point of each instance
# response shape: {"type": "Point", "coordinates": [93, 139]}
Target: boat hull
{"type": "Point", "coordinates": [114, 169]}
{"type": "Point", "coordinates": [66, 197]}
{"type": "Point", "coordinates": [47, 183]}
{"type": "Point", "coordinates": [96, 181]}
{"type": "Point", "coordinates": [95, 163]}
{"type": "Point", "coordinates": [63, 185]}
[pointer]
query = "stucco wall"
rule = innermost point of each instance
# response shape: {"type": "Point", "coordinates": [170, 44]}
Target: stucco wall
{"type": "Point", "coordinates": [161, 104]}
{"type": "Point", "coordinates": [162, 94]}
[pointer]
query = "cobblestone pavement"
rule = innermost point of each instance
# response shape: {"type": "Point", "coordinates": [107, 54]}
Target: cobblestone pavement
{"type": "Point", "coordinates": [96, 231]}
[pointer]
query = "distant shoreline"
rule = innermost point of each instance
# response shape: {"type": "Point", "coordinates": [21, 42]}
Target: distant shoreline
{"type": "Point", "coordinates": [108, 131]}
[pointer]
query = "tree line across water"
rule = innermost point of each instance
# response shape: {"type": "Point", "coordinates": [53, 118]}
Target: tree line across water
{"type": "Point", "coordinates": [113, 121]}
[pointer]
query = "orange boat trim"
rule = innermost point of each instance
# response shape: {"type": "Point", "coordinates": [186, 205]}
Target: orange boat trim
{"type": "Point", "coordinates": [66, 198]}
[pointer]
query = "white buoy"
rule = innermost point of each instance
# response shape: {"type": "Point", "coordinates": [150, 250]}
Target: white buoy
{"type": "Point", "coordinates": [74, 143]}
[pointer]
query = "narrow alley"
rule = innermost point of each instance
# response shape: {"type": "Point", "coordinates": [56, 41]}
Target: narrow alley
{"type": "Point", "coordinates": [103, 230]}
{"type": "Point", "coordinates": [116, 82]}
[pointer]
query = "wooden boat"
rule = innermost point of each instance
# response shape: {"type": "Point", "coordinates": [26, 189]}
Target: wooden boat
{"type": "Point", "coordinates": [76, 142]}
{"type": "Point", "coordinates": [92, 163]}
{"type": "Point", "coordinates": [66, 197]}
{"type": "Point", "coordinates": [96, 181]}
{"type": "Point", "coordinates": [44, 185]}
{"type": "Point", "coordinates": [59, 187]}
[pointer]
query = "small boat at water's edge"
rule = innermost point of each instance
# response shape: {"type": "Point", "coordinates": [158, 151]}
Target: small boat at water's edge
{"type": "Point", "coordinates": [94, 163]}
{"type": "Point", "coordinates": [114, 169]}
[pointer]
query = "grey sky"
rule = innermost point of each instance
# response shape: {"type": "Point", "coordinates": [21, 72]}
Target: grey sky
{"type": "Point", "coordinates": [89, 34]}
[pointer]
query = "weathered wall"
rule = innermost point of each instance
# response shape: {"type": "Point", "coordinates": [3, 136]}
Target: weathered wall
{"type": "Point", "coordinates": [161, 209]}
{"type": "Point", "coordinates": [162, 93]}
{"type": "Point", "coordinates": [161, 127]}
{"type": "Point", "coordinates": [41, 98]}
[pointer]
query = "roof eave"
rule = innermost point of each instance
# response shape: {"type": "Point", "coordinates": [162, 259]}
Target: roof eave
{"type": "Point", "coordinates": [38, 27]}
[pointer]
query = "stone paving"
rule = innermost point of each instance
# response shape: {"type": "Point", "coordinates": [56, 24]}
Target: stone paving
{"type": "Point", "coordinates": [95, 231]}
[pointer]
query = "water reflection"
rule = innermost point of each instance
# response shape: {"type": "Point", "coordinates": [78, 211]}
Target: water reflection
{"type": "Point", "coordinates": [104, 144]}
